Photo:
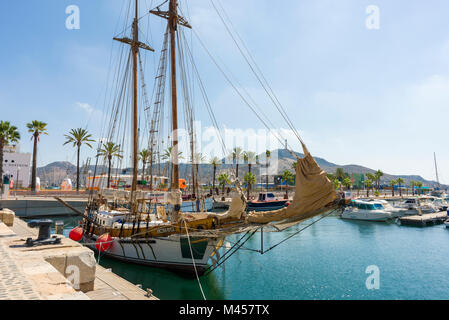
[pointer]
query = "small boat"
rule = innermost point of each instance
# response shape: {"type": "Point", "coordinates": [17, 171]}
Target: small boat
{"type": "Point", "coordinates": [366, 210]}
{"type": "Point", "coordinates": [266, 202]}
{"type": "Point", "coordinates": [414, 206]}
{"type": "Point", "coordinates": [395, 212]}
{"type": "Point", "coordinates": [440, 203]}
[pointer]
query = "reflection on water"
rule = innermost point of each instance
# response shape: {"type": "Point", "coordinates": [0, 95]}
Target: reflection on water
{"type": "Point", "coordinates": [326, 261]}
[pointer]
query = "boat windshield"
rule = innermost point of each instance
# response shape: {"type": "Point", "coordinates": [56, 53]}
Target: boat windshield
{"type": "Point", "coordinates": [378, 206]}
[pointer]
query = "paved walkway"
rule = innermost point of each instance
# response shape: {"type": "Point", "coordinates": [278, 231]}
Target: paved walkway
{"type": "Point", "coordinates": [13, 282]}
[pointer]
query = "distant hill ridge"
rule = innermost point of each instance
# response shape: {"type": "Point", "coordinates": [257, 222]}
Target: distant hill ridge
{"type": "Point", "coordinates": [59, 170]}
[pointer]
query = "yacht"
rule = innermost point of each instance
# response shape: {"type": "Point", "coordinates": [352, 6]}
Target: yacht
{"type": "Point", "coordinates": [366, 210]}
{"type": "Point", "coordinates": [395, 212]}
{"type": "Point", "coordinates": [414, 206]}
{"type": "Point", "coordinates": [267, 201]}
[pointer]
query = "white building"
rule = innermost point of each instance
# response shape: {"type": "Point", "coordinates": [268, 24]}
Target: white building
{"type": "Point", "coordinates": [18, 165]}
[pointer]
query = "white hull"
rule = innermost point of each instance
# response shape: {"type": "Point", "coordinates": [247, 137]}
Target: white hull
{"type": "Point", "coordinates": [172, 252]}
{"type": "Point", "coordinates": [367, 215]}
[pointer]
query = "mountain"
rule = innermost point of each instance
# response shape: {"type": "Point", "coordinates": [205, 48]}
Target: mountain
{"type": "Point", "coordinates": [55, 172]}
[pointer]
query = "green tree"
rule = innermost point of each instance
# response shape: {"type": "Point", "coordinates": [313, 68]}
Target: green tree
{"type": "Point", "coordinates": [250, 179]}
{"type": "Point", "coordinates": [236, 155]}
{"type": "Point", "coordinates": [109, 151]}
{"type": "Point", "coordinates": [377, 175]}
{"type": "Point", "coordinates": [8, 134]}
{"type": "Point", "coordinates": [215, 162]}
{"type": "Point", "coordinates": [347, 183]}
{"type": "Point", "coordinates": [336, 183]}
{"type": "Point", "coordinates": [295, 165]}
{"type": "Point", "coordinates": [288, 177]}
{"type": "Point", "coordinates": [198, 158]}
{"type": "Point", "coordinates": [412, 186]}
{"type": "Point", "coordinates": [340, 174]}
{"type": "Point", "coordinates": [36, 128]}
{"type": "Point", "coordinates": [167, 155]}
{"type": "Point", "coordinates": [144, 156]}
{"type": "Point", "coordinates": [368, 185]}
{"type": "Point", "coordinates": [392, 184]}
{"type": "Point", "coordinates": [78, 137]}
{"type": "Point", "coordinates": [267, 157]}
{"type": "Point", "coordinates": [223, 180]}
{"type": "Point", "coordinates": [250, 159]}
{"type": "Point", "coordinates": [400, 181]}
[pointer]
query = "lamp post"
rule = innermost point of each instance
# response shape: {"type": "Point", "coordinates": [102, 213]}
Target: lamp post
{"type": "Point", "coordinates": [17, 183]}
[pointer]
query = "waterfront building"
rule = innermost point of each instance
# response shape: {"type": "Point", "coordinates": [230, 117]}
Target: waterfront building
{"type": "Point", "coordinates": [17, 165]}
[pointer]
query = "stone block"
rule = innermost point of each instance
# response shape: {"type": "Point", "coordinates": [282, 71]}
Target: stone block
{"type": "Point", "coordinates": [7, 217]}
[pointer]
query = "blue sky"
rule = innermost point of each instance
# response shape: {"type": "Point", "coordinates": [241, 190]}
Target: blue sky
{"type": "Point", "coordinates": [377, 98]}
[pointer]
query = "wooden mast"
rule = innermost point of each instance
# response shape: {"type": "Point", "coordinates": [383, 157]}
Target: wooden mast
{"type": "Point", "coordinates": [173, 21]}
{"type": "Point", "coordinates": [135, 45]}
{"type": "Point", "coordinates": [135, 50]}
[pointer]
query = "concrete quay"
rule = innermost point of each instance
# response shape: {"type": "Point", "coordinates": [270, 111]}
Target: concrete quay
{"type": "Point", "coordinates": [65, 271]}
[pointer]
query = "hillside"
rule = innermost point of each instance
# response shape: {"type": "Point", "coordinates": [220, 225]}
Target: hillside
{"type": "Point", "coordinates": [55, 172]}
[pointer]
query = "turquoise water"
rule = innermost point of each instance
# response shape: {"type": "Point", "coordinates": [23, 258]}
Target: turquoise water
{"type": "Point", "coordinates": [326, 261]}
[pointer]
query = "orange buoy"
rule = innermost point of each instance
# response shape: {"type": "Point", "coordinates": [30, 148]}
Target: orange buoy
{"type": "Point", "coordinates": [103, 242]}
{"type": "Point", "coordinates": [76, 234]}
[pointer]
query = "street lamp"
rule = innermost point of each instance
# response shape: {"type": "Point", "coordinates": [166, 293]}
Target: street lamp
{"type": "Point", "coordinates": [17, 183]}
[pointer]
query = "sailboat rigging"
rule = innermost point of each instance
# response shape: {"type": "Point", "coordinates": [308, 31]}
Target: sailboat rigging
{"type": "Point", "coordinates": [133, 226]}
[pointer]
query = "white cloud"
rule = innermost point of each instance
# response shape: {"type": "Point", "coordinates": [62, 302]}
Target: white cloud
{"type": "Point", "coordinates": [86, 107]}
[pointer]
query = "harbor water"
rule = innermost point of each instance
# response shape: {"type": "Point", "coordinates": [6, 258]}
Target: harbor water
{"type": "Point", "coordinates": [328, 260]}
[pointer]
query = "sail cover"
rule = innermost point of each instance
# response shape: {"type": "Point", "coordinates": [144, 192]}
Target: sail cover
{"type": "Point", "coordinates": [314, 194]}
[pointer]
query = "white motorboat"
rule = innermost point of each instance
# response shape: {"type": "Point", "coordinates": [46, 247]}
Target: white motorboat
{"type": "Point", "coordinates": [414, 206]}
{"type": "Point", "coordinates": [395, 212]}
{"type": "Point", "coordinates": [366, 210]}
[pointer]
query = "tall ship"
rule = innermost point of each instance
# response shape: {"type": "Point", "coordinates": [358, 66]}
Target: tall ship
{"type": "Point", "coordinates": [130, 226]}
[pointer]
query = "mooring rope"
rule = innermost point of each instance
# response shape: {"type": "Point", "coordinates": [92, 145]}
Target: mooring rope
{"type": "Point", "coordinates": [193, 261]}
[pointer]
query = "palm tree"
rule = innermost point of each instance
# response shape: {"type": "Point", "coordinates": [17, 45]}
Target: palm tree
{"type": "Point", "coordinates": [340, 174]}
{"type": "Point", "coordinates": [419, 185]}
{"type": "Point", "coordinates": [236, 154]}
{"type": "Point", "coordinates": [336, 183]}
{"type": "Point", "coordinates": [144, 155]}
{"type": "Point", "coordinates": [412, 186]}
{"type": "Point", "coordinates": [250, 158]}
{"type": "Point", "coordinates": [287, 176]}
{"type": "Point", "coordinates": [268, 156]}
{"type": "Point", "coordinates": [109, 151]}
{"type": "Point", "coordinates": [369, 185]}
{"type": "Point", "coordinates": [167, 155]}
{"type": "Point", "coordinates": [36, 128]}
{"type": "Point", "coordinates": [215, 162]}
{"type": "Point", "coordinates": [347, 183]}
{"type": "Point", "coordinates": [78, 137]}
{"type": "Point", "coordinates": [400, 181]}
{"type": "Point", "coordinates": [392, 184]}
{"type": "Point", "coordinates": [223, 180]}
{"type": "Point", "coordinates": [295, 165]}
{"type": "Point", "coordinates": [8, 134]}
{"type": "Point", "coordinates": [378, 174]}
{"type": "Point", "coordinates": [198, 158]}
{"type": "Point", "coordinates": [250, 179]}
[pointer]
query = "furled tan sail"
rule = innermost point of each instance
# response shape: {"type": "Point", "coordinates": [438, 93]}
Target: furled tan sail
{"type": "Point", "coordinates": [236, 210]}
{"type": "Point", "coordinates": [314, 194]}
